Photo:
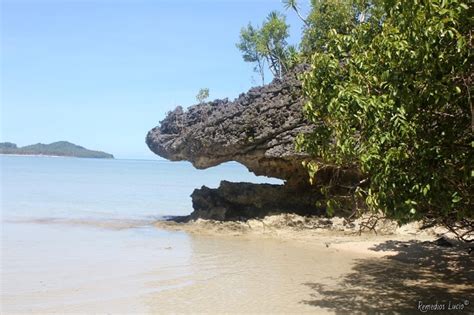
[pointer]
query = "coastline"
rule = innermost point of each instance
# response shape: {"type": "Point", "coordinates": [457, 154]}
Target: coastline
{"type": "Point", "coordinates": [335, 232]}
{"type": "Point", "coordinates": [407, 265]}
{"type": "Point", "coordinates": [302, 228]}
{"type": "Point", "coordinates": [279, 264]}
{"type": "Point", "coordinates": [56, 156]}
{"type": "Point", "coordinates": [35, 155]}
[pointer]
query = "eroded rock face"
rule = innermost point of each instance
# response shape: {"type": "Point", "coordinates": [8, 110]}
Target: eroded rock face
{"type": "Point", "coordinates": [257, 129]}
{"type": "Point", "coordinates": [242, 201]}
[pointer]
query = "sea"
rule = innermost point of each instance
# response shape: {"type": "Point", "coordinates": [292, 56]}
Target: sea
{"type": "Point", "coordinates": [77, 237]}
{"type": "Point", "coordinates": [69, 189]}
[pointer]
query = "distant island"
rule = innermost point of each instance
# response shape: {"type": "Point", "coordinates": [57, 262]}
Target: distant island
{"type": "Point", "coordinates": [60, 148]}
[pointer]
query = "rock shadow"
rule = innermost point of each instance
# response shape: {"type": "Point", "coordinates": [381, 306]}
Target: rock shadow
{"type": "Point", "coordinates": [420, 272]}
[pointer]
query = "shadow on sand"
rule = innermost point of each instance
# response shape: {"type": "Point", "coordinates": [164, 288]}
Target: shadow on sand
{"type": "Point", "coordinates": [418, 272]}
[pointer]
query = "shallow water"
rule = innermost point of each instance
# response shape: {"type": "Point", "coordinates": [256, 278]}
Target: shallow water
{"type": "Point", "coordinates": [52, 267]}
{"type": "Point", "coordinates": [77, 236]}
{"type": "Point", "coordinates": [58, 187]}
{"type": "Point", "coordinates": [84, 269]}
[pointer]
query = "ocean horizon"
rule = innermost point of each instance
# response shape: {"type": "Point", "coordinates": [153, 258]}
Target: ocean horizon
{"type": "Point", "coordinates": [38, 187]}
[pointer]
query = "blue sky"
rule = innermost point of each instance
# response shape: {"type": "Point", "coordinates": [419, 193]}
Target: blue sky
{"type": "Point", "coordinates": [101, 73]}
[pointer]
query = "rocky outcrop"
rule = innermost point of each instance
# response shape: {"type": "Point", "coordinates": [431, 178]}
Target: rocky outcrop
{"type": "Point", "coordinates": [241, 201]}
{"type": "Point", "coordinates": [258, 130]}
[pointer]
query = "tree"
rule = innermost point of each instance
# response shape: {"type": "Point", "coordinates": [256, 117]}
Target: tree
{"type": "Point", "coordinates": [392, 99]}
{"type": "Point", "coordinates": [273, 43]}
{"type": "Point", "coordinates": [202, 95]}
{"type": "Point", "coordinates": [341, 16]}
{"type": "Point", "coordinates": [267, 45]}
{"type": "Point", "coordinates": [293, 4]}
{"type": "Point", "coordinates": [248, 45]}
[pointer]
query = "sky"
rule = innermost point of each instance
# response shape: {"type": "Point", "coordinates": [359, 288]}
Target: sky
{"type": "Point", "coordinates": [101, 73]}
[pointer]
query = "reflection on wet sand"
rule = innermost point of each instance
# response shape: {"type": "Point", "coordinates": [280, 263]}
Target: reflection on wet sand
{"type": "Point", "coordinates": [84, 268]}
{"type": "Point", "coordinates": [252, 275]}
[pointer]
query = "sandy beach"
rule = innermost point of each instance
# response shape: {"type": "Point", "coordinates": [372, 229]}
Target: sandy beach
{"type": "Point", "coordinates": [281, 264]}
{"type": "Point", "coordinates": [330, 269]}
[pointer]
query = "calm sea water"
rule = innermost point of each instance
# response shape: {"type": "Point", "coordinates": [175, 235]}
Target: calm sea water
{"type": "Point", "coordinates": [77, 238]}
{"type": "Point", "coordinates": [62, 188]}
{"type": "Point", "coordinates": [77, 234]}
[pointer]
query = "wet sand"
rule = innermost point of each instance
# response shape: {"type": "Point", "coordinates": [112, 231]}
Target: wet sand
{"type": "Point", "coordinates": [211, 267]}
{"type": "Point", "coordinates": [320, 268]}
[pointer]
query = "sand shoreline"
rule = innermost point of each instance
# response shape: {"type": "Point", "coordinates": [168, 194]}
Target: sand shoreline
{"type": "Point", "coordinates": [280, 264]}
{"type": "Point", "coordinates": [335, 232]}
{"type": "Point", "coordinates": [394, 271]}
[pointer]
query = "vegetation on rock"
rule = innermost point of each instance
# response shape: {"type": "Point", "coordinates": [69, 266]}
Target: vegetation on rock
{"type": "Point", "coordinates": [383, 112]}
{"type": "Point", "coordinates": [267, 45]}
{"type": "Point", "coordinates": [389, 94]}
{"type": "Point", "coordinates": [202, 95]}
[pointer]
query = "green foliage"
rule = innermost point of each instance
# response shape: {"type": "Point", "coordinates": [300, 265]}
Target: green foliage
{"type": "Point", "coordinates": [202, 95]}
{"type": "Point", "coordinates": [293, 57]}
{"type": "Point", "coordinates": [7, 145]}
{"type": "Point", "coordinates": [293, 5]}
{"type": "Point", "coordinates": [248, 45]}
{"type": "Point", "coordinates": [339, 15]}
{"type": "Point", "coordinates": [272, 44]}
{"type": "Point", "coordinates": [267, 44]}
{"type": "Point", "coordinates": [60, 148]}
{"type": "Point", "coordinates": [390, 95]}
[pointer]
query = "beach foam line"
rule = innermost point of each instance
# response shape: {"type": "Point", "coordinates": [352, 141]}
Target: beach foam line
{"type": "Point", "coordinates": [105, 223]}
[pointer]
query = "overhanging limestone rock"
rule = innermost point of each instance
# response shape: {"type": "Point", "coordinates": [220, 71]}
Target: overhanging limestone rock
{"type": "Point", "coordinates": [257, 129]}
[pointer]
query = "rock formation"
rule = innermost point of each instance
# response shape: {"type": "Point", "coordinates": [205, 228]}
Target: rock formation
{"type": "Point", "coordinates": [258, 130]}
{"type": "Point", "coordinates": [240, 201]}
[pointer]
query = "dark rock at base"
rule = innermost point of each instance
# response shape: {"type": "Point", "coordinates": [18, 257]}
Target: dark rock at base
{"type": "Point", "coordinates": [178, 218]}
{"type": "Point", "coordinates": [442, 242]}
{"type": "Point", "coordinates": [241, 201]}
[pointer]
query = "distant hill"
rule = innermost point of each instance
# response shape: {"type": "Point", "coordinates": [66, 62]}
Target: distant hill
{"type": "Point", "coordinates": [60, 148]}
